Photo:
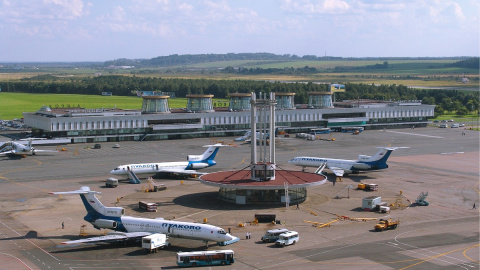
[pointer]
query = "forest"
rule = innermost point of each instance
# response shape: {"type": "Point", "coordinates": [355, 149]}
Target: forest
{"type": "Point", "coordinates": [461, 102]}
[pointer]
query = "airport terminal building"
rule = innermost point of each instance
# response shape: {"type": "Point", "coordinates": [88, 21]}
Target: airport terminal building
{"type": "Point", "coordinates": [156, 121]}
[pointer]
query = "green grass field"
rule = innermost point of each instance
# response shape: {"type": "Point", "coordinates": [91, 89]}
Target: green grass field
{"type": "Point", "coordinates": [12, 105]}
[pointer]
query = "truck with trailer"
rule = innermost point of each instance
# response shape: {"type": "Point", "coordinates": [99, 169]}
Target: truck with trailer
{"type": "Point", "coordinates": [154, 242]}
{"type": "Point", "coordinates": [386, 224]}
{"type": "Point", "coordinates": [367, 187]}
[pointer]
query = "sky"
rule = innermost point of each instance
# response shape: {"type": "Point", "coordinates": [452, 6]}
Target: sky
{"type": "Point", "coordinates": [102, 30]}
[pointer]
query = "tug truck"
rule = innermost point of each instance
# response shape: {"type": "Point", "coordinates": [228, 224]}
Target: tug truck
{"type": "Point", "coordinates": [386, 224]}
{"type": "Point", "coordinates": [154, 242]}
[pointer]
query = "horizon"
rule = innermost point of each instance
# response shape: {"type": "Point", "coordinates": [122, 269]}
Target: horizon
{"type": "Point", "coordinates": [300, 56]}
{"type": "Point", "coordinates": [87, 31]}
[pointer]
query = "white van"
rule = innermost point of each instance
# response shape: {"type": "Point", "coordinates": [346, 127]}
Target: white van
{"type": "Point", "coordinates": [455, 126]}
{"type": "Point", "coordinates": [443, 126]}
{"type": "Point", "coordinates": [272, 235]}
{"type": "Point", "coordinates": [288, 238]}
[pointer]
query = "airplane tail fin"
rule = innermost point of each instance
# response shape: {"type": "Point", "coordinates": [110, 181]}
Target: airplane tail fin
{"type": "Point", "coordinates": [208, 155]}
{"type": "Point", "coordinates": [211, 152]}
{"type": "Point", "coordinates": [95, 209]}
{"type": "Point", "coordinates": [381, 157]}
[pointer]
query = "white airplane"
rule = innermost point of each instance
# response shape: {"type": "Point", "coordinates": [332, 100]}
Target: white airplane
{"type": "Point", "coordinates": [260, 135]}
{"type": "Point", "coordinates": [180, 167]}
{"type": "Point", "coordinates": [345, 166]}
{"type": "Point", "coordinates": [17, 149]}
{"type": "Point", "coordinates": [127, 227]}
{"type": "Point", "coordinates": [245, 136]}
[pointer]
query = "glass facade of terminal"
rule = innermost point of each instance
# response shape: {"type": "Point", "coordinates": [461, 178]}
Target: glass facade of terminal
{"type": "Point", "coordinates": [285, 102]}
{"type": "Point", "coordinates": [239, 104]}
{"type": "Point", "coordinates": [320, 101]}
{"type": "Point", "coordinates": [252, 196]}
{"type": "Point", "coordinates": [200, 104]}
{"type": "Point", "coordinates": [155, 105]}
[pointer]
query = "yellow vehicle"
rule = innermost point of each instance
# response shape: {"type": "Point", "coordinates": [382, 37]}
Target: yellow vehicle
{"type": "Point", "coordinates": [386, 224]}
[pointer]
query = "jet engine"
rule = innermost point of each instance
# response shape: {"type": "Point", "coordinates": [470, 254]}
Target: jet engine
{"type": "Point", "coordinates": [198, 166]}
{"type": "Point", "coordinates": [105, 224]}
{"type": "Point", "coordinates": [363, 157]}
{"type": "Point", "coordinates": [194, 157]}
{"type": "Point", "coordinates": [114, 211]}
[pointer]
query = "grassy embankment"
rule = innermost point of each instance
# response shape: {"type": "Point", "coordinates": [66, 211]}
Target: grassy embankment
{"type": "Point", "coordinates": [13, 104]}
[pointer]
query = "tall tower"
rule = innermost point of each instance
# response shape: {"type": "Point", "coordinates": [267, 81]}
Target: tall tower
{"type": "Point", "coordinates": [262, 164]}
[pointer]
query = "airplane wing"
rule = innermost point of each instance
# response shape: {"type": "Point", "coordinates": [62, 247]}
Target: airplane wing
{"type": "Point", "coordinates": [7, 152]}
{"type": "Point", "coordinates": [36, 150]}
{"type": "Point", "coordinates": [108, 238]}
{"type": "Point", "coordinates": [336, 170]}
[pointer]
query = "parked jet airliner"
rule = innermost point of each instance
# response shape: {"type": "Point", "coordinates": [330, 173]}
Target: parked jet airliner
{"type": "Point", "coordinates": [344, 166]}
{"type": "Point", "coordinates": [102, 217]}
{"type": "Point", "coordinates": [181, 167]}
{"type": "Point", "coordinates": [17, 149]}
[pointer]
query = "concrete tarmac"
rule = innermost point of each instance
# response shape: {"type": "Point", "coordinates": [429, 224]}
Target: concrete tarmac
{"type": "Point", "coordinates": [443, 235]}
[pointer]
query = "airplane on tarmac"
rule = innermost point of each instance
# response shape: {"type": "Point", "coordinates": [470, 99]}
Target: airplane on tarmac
{"type": "Point", "coordinates": [260, 136]}
{"type": "Point", "coordinates": [127, 227]}
{"type": "Point", "coordinates": [179, 167]}
{"type": "Point", "coordinates": [345, 166]}
{"type": "Point", "coordinates": [14, 148]}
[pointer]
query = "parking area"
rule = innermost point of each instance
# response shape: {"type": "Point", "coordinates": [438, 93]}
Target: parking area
{"type": "Point", "coordinates": [443, 235]}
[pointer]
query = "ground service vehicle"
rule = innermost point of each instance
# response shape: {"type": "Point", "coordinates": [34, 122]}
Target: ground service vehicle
{"type": "Point", "coordinates": [386, 224]}
{"type": "Point", "coordinates": [149, 207]}
{"type": "Point", "coordinates": [288, 238]}
{"type": "Point", "coordinates": [203, 258]}
{"type": "Point", "coordinates": [111, 182]}
{"type": "Point", "coordinates": [97, 146]}
{"type": "Point", "coordinates": [272, 235]}
{"type": "Point", "coordinates": [370, 187]}
{"type": "Point", "coordinates": [154, 242]}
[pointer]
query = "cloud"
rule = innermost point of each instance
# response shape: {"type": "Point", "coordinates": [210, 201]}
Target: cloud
{"type": "Point", "coordinates": [45, 18]}
{"type": "Point", "coordinates": [316, 7]}
{"type": "Point", "coordinates": [65, 9]}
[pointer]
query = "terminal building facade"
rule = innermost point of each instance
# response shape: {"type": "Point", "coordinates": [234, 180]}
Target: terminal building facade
{"type": "Point", "coordinates": [156, 121]}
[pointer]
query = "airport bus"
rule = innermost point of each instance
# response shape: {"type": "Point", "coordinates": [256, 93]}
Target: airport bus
{"type": "Point", "coordinates": [202, 258]}
{"type": "Point", "coordinates": [315, 131]}
{"type": "Point", "coordinates": [288, 238]}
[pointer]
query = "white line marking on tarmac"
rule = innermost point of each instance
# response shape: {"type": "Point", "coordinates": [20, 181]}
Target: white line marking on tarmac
{"type": "Point", "coordinates": [407, 133]}
{"type": "Point", "coordinates": [451, 153]}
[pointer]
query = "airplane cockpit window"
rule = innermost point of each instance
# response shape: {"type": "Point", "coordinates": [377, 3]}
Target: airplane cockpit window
{"type": "Point", "coordinates": [221, 232]}
{"type": "Point", "coordinates": [116, 169]}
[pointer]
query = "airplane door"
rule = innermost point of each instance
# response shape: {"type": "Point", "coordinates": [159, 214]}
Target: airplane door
{"type": "Point", "coordinates": [128, 168]}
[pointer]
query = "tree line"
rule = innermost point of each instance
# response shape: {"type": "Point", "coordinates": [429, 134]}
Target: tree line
{"type": "Point", "coordinates": [190, 59]}
{"type": "Point", "coordinates": [462, 102]}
